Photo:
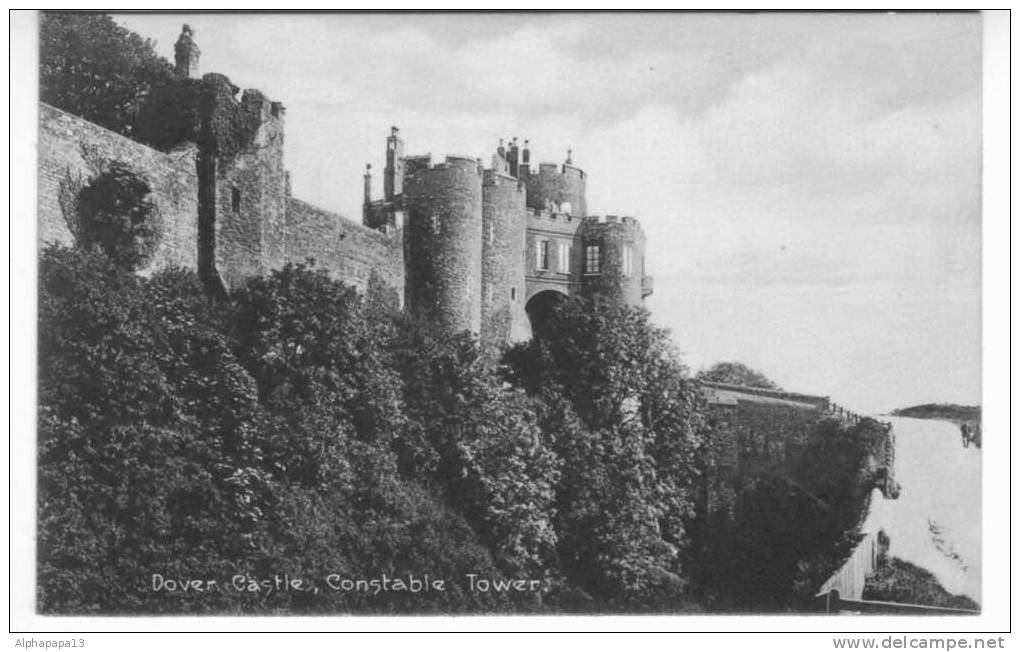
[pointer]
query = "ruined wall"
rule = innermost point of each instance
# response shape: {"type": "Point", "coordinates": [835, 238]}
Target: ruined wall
{"type": "Point", "coordinates": [349, 251]}
{"type": "Point", "coordinates": [242, 181]}
{"type": "Point", "coordinates": [444, 235]}
{"type": "Point", "coordinates": [552, 186]}
{"type": "Point", "coordinates": [250, 181]}
{"type": "Point", "coordinates": [503, 241]}
{"type": "Point", "coordinates": [614, 235]}
{"type": "Point", "coordinates": [73, 150]}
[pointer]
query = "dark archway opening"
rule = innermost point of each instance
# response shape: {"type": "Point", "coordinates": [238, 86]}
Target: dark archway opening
{"type": "Point", "coordinates": [540, 308]}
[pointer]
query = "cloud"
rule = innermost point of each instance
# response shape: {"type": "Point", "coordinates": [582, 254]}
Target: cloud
{"type": "Point", "coordinates": [809, 183]}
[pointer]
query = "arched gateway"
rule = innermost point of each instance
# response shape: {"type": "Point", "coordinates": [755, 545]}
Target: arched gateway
{"type": "Point", "coordinates": [539, 307]}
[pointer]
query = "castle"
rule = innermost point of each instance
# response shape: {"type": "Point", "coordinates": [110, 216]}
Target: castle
{"type": "Point", "coordinates": [485, 250]}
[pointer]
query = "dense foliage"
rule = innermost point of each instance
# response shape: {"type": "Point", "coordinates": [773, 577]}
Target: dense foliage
{"type": "Point", "coordinates": [117, 217]}
{"type": "Point", "coordinates": [736, 373]}
{"type": "Point", "coordinates": [92, 67]}
{"type": "Point", "coordinates": [624, 420]}
{"type": "Point", "coordinates": [300, 427]}
{"type": "Point", "coordinates": [253, 437]}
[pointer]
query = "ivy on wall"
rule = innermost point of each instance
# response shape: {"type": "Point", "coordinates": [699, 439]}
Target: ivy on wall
{"type": "Point", "coordinates": [117, 216]}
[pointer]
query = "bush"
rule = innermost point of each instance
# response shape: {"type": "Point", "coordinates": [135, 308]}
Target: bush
{"type": "Point", "coordinates": [117, 217]}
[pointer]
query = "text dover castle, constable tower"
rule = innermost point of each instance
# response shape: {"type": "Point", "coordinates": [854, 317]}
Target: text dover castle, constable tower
{"type": "Point", "coordinates": [470, 248]}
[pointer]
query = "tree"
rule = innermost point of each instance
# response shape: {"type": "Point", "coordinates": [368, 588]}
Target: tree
{"type": "Point", "coordinates": [480, 440]}
{"type": "Point", "coordinates": [94, 68]}
{"type": "Point", "coordinates": [205, 439]}
{"type": "Point", "coordinates": [625, 420]}
{"type": "Point", "coordinates": [736, 373]}
{"type": "Point", "coordinates": [322, 358]}
{"type": "Point", "coordinates": [321, 372]}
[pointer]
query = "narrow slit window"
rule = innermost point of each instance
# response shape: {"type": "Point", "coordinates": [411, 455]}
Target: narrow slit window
{"type": "Point", "coordinates": [235, 200]}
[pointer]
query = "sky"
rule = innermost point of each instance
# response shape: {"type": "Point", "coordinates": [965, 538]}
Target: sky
{"type": "Point", "coordinates": [809, 184]}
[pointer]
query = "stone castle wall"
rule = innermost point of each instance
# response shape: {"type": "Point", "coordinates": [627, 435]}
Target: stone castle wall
{"type": "Point", "coordinates": [72, 151]}
{"type": "Point", "coordinates": [262, 231]}
{"type": "Point", "coordinates": [250, 194]}
{"type": "Point", "coordinates": [556, 229]}
{"type": "Point", "coordinates": [459, 246]}
{"type": "Point", "coordinates": [347, 250]}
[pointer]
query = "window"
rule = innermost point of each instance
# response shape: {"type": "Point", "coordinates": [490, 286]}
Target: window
{"type": "Point", "coordinates": [628, 260]}
{"type": "Point", "coordinates": [513, 294]}
{"type": "Point", "coordinates": [235, 200]}
{"type": "Point", "coordinates": [434, 223]}
{"type": "Point", "coordinates": [591, 259]}
{"type": "Point", "coordinates": [564, 257]}
{"type": "Point", "coordinates": [542, 255]}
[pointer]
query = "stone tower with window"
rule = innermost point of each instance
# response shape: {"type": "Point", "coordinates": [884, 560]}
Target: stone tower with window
{"type": "Point", "coordinates": [490, 250]}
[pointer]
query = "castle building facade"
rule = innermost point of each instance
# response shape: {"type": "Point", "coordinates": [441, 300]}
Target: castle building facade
{"type": "Point", "coordinates": [485, 249]}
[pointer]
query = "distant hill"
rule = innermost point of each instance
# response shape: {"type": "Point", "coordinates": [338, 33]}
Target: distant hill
{"type": "Point", "coordinates": [958, 414]}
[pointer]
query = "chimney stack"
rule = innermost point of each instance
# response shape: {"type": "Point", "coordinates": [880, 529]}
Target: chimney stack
{"type": "Point", "coordinates": [186, 54]}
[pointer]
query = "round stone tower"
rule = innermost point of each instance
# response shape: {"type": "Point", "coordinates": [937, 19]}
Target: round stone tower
{"type": "Point", "coordinates": [614, 258]}
{"type": "Point", "coordinates": [444, 232]}
{"type": "Point", "coordinates": [504, 223]}
{"type": "Point", "coordinates": [557, 188]}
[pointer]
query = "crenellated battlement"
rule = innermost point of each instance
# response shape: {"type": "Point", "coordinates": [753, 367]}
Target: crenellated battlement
{"type": "Point", "coordinates": [626, 220]}
{"type": "Point", "coordinates": [550, 169]}
{"type": "Point", "coordinates": [423, 163]}
{"type": "Point", "coordinates": [492, 177]}
{"type": "Point", "coordinates": [551, 215]}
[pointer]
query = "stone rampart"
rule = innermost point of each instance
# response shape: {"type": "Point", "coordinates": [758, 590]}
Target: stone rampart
{"type": "Point", "coordinates": [72, 151]}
